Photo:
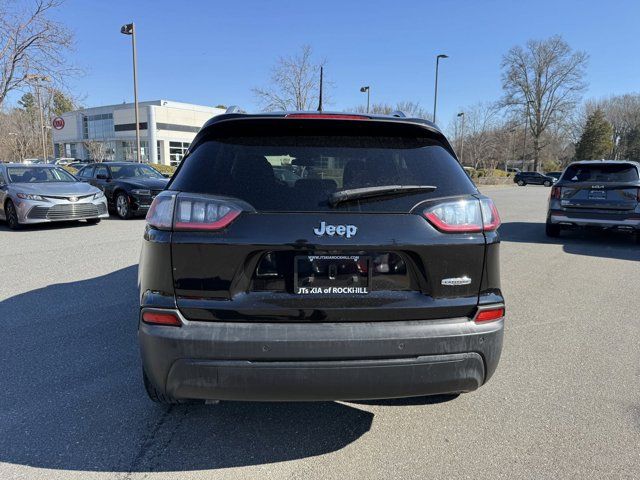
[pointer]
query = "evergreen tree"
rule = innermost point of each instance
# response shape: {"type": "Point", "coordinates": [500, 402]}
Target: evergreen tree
{"type": "Point", "coordinates": [28, 103]}
{"type": "Point", "coordinates": [596, 141]}
{"type": "Point", "coordinates": [61, 103]}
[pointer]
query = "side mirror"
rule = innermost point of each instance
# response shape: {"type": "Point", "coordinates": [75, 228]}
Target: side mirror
{"type": "Point", "coordinates": [102, 176]}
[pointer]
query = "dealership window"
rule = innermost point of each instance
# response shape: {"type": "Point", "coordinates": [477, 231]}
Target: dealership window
{"type": "Point", "coordinates": [71, 150]}
{"type": "Point", "coordinates": [129, 151]}
{"type": "Point", "coordinates": [97, 126]}
{"type": "Point", "coordinates": [177, 150]}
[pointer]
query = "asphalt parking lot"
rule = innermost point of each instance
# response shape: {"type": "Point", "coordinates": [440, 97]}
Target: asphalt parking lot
{"type": "Point", "coordinates": [564, 403]}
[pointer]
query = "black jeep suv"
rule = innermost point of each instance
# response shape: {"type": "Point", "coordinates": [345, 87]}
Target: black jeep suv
{"type": "Point", "coordinates": [369, 272]}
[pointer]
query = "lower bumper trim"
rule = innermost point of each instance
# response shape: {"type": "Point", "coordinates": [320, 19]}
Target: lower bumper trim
{"type": "Point", "coordinates": [325, 380]}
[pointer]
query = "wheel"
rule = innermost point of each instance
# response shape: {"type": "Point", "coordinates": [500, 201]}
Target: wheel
{"type": "Point", "coordinates": [11, 215]}
{"type": "Point", "coordinates": [636, 237]}
{"type": "Point", "coordinates": [93, 221]}
{"type": "Point", "coordinates": [123, 209]}
{"type": "Point", "coordinates": [155, 395]}
{"type": "Point", "coordinates": [547, 183]}
{"type": "Point", "coordinates": [552, 230]}
{"type": "Point", "coordinates": [521, 183]}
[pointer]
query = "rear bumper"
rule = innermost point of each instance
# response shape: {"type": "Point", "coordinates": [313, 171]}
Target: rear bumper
{"type": "Point", "coordinates": [595, 219]}
{"type": "Point", "coordinates": [332, 361]}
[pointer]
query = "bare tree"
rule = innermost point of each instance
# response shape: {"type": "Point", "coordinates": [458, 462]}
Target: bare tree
{"type": "Point", "coordinates": [97, 150]}
{"type": "Point", "coordinates": [31, 44]}
{"type": "Point", "coordinates": [622, 112]}
{"type": "Point", "coordinates": [545, 79]}
{"type": "Point", "coordinates": [295, 83]}
{"type": "Point", "coordinates": [20, 136]}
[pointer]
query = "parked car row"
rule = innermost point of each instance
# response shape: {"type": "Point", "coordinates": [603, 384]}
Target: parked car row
{"type": "Point", "coordinates": [42, 193]}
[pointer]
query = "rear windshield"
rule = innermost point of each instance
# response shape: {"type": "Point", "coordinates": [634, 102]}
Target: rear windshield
{"type": "Point", "coordinates": [607, 172]}
{"type": "Point", "coordinates": [298, 173]}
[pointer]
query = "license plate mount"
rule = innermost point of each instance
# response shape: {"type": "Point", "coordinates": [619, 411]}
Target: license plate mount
{"type": "Point", "coordinates": [342, 275]}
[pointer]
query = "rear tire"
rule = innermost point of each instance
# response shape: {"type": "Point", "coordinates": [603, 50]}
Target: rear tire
{"type": "Point", "coordinates": [552, 230]}
{"type": "Point", "coordinates": [636, 237]}
{"type": "Point", "coordinates": [156, 395]}
{"type": "Point", "coordinates": [11, 215]}
{"type": "Point", "coordinates": [521, 183]}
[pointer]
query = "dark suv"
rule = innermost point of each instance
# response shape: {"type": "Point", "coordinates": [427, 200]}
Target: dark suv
{"type": "Point", "coordinates": [533, 178]}
{"type": "Point", "coordinates": [598, 193]}
{"type": "Point", "coordinates": [369, 272]}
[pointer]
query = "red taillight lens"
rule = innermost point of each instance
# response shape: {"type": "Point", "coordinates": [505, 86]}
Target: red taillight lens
{"type": "Point", "coordinates": [464, 216]}
{"type": "Point", "coordinates": [489, 315]}
{"type": "Point", "coordinates": [161, 318]}
{"type": "Point", "coordinates": [638, 197]}
{"type": "Point", "coordinates": [556, 192]}
{"type": "Point", "coordinates": [327, 116]}
{"type": "Point", "coordinates": [202, 213]}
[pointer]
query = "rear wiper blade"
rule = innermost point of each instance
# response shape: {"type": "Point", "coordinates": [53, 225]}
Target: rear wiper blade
{"type": "Point", "coordinates": [382, 191]}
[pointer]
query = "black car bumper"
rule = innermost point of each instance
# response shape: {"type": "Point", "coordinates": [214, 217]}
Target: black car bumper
{"type": "Point", "coordinates": [590, 218]}
{"type": "Point", "coordinates": [323, 361]}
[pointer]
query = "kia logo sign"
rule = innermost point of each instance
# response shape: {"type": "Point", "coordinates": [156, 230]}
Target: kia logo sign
{"type": "Point", "coordinates": [58, 123]}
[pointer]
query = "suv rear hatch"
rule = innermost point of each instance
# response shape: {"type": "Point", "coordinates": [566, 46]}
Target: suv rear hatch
{"type": "Point", "coordinates": [260, 235]}
{"type": "Point", "coordinates": [599, 186]}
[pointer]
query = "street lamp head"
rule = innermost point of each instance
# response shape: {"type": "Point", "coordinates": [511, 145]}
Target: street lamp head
{"type": "Point", "coordinates": [442, 55]}
{"type": "Point", "coordinates": [364, 89]}
{"type": "Point", "coordinates": [127, 29]}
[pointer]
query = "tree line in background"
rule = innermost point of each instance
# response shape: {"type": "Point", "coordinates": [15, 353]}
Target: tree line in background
{"type": "Point", "coordinates": [33, 49]}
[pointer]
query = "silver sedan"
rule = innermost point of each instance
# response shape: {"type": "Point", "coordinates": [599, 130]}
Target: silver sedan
{"type": "Point", "coordinates": [47, 193]}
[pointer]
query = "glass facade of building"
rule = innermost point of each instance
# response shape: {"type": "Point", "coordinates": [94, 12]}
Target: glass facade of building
{"type": "Point", "coordinates": [95, 127]}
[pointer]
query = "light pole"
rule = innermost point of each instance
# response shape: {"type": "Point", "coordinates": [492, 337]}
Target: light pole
{"type": "Point", "coordinates": [435, 94]}
{"type": "Point", "coordinates": [461, 115]}
{"type": "Point", "coordinates": [511, 148]}
{"type": "Point", "coordinates": [366, 89]}
{"type": "Point", "coordinates": [36, 79]}
{"type": "Point", "coordinates": [526, 127]}
{"type": "Point", "coordinates": [130, 29]}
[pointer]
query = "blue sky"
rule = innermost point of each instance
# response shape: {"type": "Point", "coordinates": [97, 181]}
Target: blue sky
{"type": "Point", "coordinates": [212, 52]}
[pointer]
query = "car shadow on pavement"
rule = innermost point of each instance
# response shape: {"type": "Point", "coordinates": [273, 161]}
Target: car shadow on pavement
{"type": "Point", "coordinates": [73, 398]}
{"type": "Point", "coordinates": [590, 242]}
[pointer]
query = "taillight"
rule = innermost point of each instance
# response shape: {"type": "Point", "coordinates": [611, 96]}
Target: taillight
{"type": "Point", "coordinates": [195, 212]}
{"type": "Point", "coordinates": [638, 195]}
{"type": "Point", "coordinates": [161, 318]}
{"type": "Point", "coordinates": [489, 314]}
{"type": "Point", "coordinates": [464, 216]}
{"type": "Point", "coordinates": [556, 192]}
{"type": "Point", "coordinates": [191, 212]}
{"type": "Point", "coordinates": [490, 216]}
{"type": "Point", "coordinates": [160, 214]}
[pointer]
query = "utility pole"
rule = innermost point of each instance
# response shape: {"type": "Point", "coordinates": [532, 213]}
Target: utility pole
{"type": "Point", "coordinates": [130, 29]}
{"type": "Point", "coordinates": [36, 79]}
{"type": "Point", "coordinates": [320, 94]}
{"type": "Point", "coordinates": [526, 127]}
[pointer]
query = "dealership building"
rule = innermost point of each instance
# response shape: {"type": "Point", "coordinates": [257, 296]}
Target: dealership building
{"type": "Point", "coordinates": [166, 130]}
